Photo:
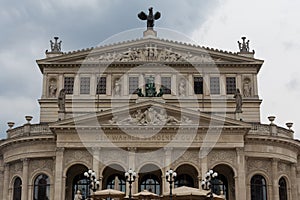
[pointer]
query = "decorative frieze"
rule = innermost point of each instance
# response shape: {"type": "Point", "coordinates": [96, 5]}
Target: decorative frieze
{"type": "Point", "coordinates": [16, 168]}
{"type": "Point", "coordinates": [185, 155]}
{"type": "Point", "coordinates": [221, 155]}
{"type": "Point", "coordinates": [37, 165]}
{"type": "Point", "coordinates": [259, 164]}
{"type": "Point", "coordinates": [77, 155]}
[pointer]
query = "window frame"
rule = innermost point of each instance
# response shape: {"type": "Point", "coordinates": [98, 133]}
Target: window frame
{"type": "Point", "coordinates": [97, 84]}
{"type": "Point", "coordinates": [69, 91]}
{"type": "Point", "coordinates": [82, 90]}
{"type": "Point", "coordinates": [210, 85]}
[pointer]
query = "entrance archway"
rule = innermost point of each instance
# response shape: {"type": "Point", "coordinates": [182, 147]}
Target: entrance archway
{"type": "Point", "coordinates": [114, 178]}
{"type": "Point", "coordinates": [150, 179]}
{"type": "Point", "coordinates": [187, 175]}
{"type": "Point", "coordinates": [76, 181]}
{"type": "Point", "coordinates": [224, 183]}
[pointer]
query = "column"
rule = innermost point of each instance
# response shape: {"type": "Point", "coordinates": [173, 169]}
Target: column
{"type": "Point", "coordinates": [96, 158]}
{"type": "Point", "coordinates": [44, 94]}
{"type": "Point", "coordinates": [93, 84]}
{"type": "Point", "coordinates": [5, 182]}
{"type": "Point", "coordinates": [255, 89]}
{"type": "Point", "coordinates": [131, 164]}
{"type": "Point", "coordinates": [275, 187]}
{"type": "Point", "coordinates": [25, 179]}
{"type": "Point", "coordinates": [108, 85]}
{"type": "Point", "coordinates": [240, 178]}
{"type": "Point", "coordinates": [222, 84]}
{"type": "Point", "coordinates": [190, 85]}
{"type": "Point", "coordinates": [204, 167]}
{"type": "Point", "coordinates": [76, 88]}
{"type": "Point", "coordinates": [59, 159]}
{"type": "Point", "coordinates": [124, 86]}
{"type": "Point", "coordinates": [294, 183]}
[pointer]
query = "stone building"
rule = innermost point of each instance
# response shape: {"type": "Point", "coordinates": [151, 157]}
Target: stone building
{"type": "Point", "coordinates": [149, 104]}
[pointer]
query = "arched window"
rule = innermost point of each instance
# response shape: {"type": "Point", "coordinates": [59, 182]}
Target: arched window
{"type": "Point", "coordinates": [17, 189]}
{"type": "Point", "coordinates": [258, 188]}
{"type": "Point", "coordinates": [282, 189]}
{"type": "Point", "coordinates": [184, 180]}
{"type": "Point", "coordinates": [80, 182]}
{"type": "Point", "coordinates": [42, 187]}
{"type": "Point", "coordinates": [116, 182]}
{"type": "Point", "coordinates": [151, 183]}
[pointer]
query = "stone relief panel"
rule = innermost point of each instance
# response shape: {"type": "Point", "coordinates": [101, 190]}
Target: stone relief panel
{"type": "Point", "coordinates": [77, 155]}
{"type": "Point", "coordinates": [148, 156]}
{"type": "Point", "coordinates": [41, 165]}
{"type": "Point", "coordinates": [283, 168]}
{"type": "Point", "coordinates": [108, 156]}
{"type": "Point", "coordinates": [52, 87]}
{"type": "Point", "coordinates": [259, 165]}
{"type": "Point", "coordinates": [16, 168]}
{"type": "Point", "coordinates": [221, 155]}
{"type": "Point", "coordinates": [189, 156]}
{"type": "Point", "coordinates": [151, 54]}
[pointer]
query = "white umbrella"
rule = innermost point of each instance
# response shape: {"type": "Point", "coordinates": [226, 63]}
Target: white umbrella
{"type": "Point", "coordinates": [145, 194]}
{"type": "Point", "coordinates": [108, 193]}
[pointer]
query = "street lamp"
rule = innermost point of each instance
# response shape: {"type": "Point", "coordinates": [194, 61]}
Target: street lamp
{"type": "Point", "coordinates": [207, 182]}
{"type": "Point", "coordinates": [170, 177]}
{"type": "Point", "coordinates": [130, 176]}
{"type": "Point", "coordinates": [92, 180]}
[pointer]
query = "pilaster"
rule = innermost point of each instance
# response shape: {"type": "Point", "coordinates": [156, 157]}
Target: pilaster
{"type": "Point", "coordinates": [222, 84]}
{"type": "Point", "coordinates": [168, 162]}
{"type": "Point", "coordinates": [59, 160]}
{"type": "Point", "coordinates": [93, 85]}
{"type": "Point", "coordinates": [240, 178]}
{"type": "Point", "coordinates": [173, 85]}
{"type": "Point", "coordinates": [25, 179]}
{"type": "Point", "coordinates": [109, 85]}
{"type": "Point", "coordinates": [5, 182]}
{"type": "Point", "coordinates": [76, 87]}
{"type": "Point", "coordinates": [124, 85]}
{"type": "Point", "coordinates": [190, 85]}
{"type": "Point", "coordinates": [275, 187]}
{"type": "Point", "coordinates": [294, 183]}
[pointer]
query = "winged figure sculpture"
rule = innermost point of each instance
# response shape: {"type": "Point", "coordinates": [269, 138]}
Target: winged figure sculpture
{"type": "Point", "coordinates": [150, 17]}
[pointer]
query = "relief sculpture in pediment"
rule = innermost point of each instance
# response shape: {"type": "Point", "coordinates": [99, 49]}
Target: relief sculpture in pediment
{"type": "Point", "coordinates": [151, 54]}
{"type": "Point", "coordinates": [150, 116]}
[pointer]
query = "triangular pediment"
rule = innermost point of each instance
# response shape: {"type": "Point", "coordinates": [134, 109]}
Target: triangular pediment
{"type": "Point", "coordinates": [150, 50]}
{"type": "Point", "coordinates": [150, 113]}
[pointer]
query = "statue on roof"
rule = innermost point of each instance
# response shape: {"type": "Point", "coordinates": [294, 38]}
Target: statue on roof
{"type": "Point", "coordinates": [244, 47]}
{"type": "Point", "coordinates": [150, 17]}
{"type": "Point", "coordinates": [55, 46]}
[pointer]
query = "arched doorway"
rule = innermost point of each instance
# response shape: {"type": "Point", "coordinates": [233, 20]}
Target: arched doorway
{"type": "Point", "coordinates": [187, 175]}
{"type": "Point", "coordinates": [114, 178]}
{"type": "Point", "coordinates": [258, 188]}
{"type": "Point", "coordinates": [150, 179]}
{"type": "Point", "coordinates": [76, 181]}
{"type": "Point", "coordinates": [224, 183]}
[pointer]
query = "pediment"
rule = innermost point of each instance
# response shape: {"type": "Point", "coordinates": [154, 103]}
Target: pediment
{"type": "Point", "coordinates": [150, 113]}
{"type": "Point", "coordinates": [150, 50]}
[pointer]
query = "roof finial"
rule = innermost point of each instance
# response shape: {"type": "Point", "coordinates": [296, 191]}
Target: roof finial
{"type": "Point", "coordinates": [150, 17]}
{"type": "Point", "coordinates": [245, 48]}
{"type": "Point", "coordinates": [55, 46]}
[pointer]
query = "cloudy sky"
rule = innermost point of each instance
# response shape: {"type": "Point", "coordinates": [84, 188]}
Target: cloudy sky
{"type": "Point", "coordinates": [27, 26]}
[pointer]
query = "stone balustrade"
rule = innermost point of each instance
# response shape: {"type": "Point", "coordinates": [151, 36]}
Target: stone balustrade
{"type": "Point", "coordinates": [29, 130]}
{"type": "Point", "coordinates": [271, 130]}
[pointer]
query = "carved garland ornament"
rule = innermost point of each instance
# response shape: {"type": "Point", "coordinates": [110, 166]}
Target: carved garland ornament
{"type": "Point", "coordinates": [264, 165]}
{"type": "Point", "coordinates": [151, 54]}
{"type": "Point", "coordinates": [72, 156]}
{"type": "Point", "coordinates": [41, 165]}
{"type": "Point", "coordinates": [228, 156]}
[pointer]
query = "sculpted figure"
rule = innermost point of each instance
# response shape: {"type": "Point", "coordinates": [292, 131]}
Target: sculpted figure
{"type": "Point", "coordinates": [150, 17]}
{"type": "Point", "coordinates": [117, 88]}
{"type": "Point", "coordinates": [181, 87]}
{"type": "Point", "coordinates": [247, 88]}
{"type": "Point", "coordinates": [78, 195]}
{"type": "Point", "coordinates": [52, 89]}
{"type": "Point", "coordinates": [61, 100]}
{"type": "Point", "coordinates": [238, 101]}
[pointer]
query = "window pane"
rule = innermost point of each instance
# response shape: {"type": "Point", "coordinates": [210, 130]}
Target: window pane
{"type": "Point", "coordinates": [230, 85]}
{"type": "Point", "coordinates": [166, 85]}
{"type": "Point", "coordinates": [116, 182]}
{"type": "Point", "coordinates": [133, 85]}
{"type": "Point", "coordinates": [17, 189]}
{"type": "Point", "coordinates": [214, 85]}
{"type": "Point", "coordinates": [42, 188]}
{"type": "Point", "coordinates": [69, 84]}
{"type": "Point", "coordinates": [198, 85]}
{"type": "Point", "coordinates": [85, 85]}
{"type": "Point", "coordinates": [101, 85]}
{"type": "Point", "coordinates": [258, 188]}
{"type": "Point", "coordinates": [282, 189]}
{"type": "Point", "coordinates": [150, 183]}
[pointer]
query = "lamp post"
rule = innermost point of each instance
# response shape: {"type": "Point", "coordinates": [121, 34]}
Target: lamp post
{"type": "Point", "coordinates": [207, 182]}
{"type": "Point", "coordinates": [170, 177]}
{"type": "Point", "coordinates": [130, 176]}
{"type": "Point", "coordinates": [92, 180]}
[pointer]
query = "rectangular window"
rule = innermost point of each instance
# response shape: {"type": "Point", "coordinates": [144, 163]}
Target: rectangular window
{"type": "Point", "coordinates": [84, 85]}
{"type": "Point", "coordinates": [214, 85]}
{"type": "Point", "coordinates": [133, 85]}
{"type": "Point", "coordinates": [69, 85]}
{"type": "Point", "coordinates": [101, 85]}
{"type": "Point", "coordinates": [198, 85]}
{"type": "Point", "coordinates": [230, 85]}
{"type": "Point", "coordinates": [166, 85]}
